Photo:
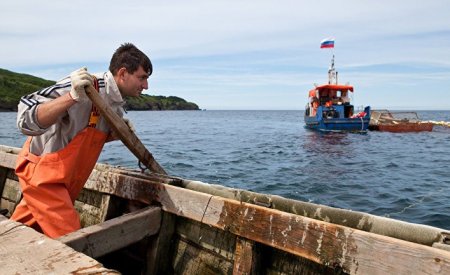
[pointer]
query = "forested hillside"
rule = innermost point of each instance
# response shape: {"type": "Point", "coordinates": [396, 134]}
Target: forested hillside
{"type": "Point", "coordinates": [15, 85]}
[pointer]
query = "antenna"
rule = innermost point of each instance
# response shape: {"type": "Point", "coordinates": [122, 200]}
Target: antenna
{"type": "Point", "coordinates": [332, 74]}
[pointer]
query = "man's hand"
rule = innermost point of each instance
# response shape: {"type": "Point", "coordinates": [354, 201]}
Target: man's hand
{"type": "Point", "coordinates": [80, 79]}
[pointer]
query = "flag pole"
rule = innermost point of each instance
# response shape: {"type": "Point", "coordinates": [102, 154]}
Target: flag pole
{"type": "Point", "coordinates": [332, 74]}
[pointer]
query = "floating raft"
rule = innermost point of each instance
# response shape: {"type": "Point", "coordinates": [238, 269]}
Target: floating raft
{"type": "Point", "coordinates": [440, 123]}
{"type": "Point", "coordinates": [157, 224]}
{"type": "Point", "coordinates": [398, 122]}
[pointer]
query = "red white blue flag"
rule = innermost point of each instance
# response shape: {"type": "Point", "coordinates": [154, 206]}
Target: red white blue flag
{"type": "Point", "coordinates": [327, 43]}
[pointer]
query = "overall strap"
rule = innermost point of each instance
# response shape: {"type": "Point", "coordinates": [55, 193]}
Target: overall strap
{"type": "Point", "coordinates": [95, 113]}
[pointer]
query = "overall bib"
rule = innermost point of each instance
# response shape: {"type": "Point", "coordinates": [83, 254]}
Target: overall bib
{"type": "Point", "coordinates": [50, 183]}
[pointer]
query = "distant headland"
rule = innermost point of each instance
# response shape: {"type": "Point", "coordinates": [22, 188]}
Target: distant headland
{"type": "Point", "coordinates": [15, 85]}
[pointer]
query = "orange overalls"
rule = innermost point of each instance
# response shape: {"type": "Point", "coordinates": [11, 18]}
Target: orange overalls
{"type": "Point", "coordinates": [51, 183]}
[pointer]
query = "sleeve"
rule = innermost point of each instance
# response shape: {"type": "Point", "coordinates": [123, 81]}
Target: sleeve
{"type": "Point", "coordinates": [27, 109]}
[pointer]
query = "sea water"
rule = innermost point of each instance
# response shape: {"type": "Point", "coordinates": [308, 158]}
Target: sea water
{"type": "Point", "coordinates": [404, 176]}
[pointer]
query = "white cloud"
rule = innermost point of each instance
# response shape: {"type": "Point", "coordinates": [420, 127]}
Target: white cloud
{"type": "Point", "coordinates": [202, 49]}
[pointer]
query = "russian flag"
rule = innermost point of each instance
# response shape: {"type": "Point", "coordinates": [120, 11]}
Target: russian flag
{"type": "Point", "coordinates": [327, 43]}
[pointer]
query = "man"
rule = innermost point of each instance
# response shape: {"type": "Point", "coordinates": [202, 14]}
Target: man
{"type": "Point", "coordinates": [314, 105]}
{"type": "Point", "coordinates": [66, 136]}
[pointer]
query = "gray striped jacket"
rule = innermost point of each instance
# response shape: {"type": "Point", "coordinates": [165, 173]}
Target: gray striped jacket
{"type": "Point", "coordinates": [57, 136]}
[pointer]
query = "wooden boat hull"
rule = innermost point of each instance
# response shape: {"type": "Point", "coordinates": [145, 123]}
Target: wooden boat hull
{"type": "Point", "coordinates": [154, 224]}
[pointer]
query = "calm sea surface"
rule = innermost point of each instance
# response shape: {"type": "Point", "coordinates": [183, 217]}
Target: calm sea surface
{"type": "Point", "coordinates": [402, 176]}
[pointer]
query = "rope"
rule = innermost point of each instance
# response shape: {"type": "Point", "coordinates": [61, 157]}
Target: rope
{"type": "Point", "coordinates": [142, 168]}
{"type": "Point", "coordinates": [418, 202]}
{"type": "Point", "coordinates": [440, 123]}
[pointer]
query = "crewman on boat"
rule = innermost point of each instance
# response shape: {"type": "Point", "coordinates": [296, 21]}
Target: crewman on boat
{"type": "Point", "coordinates": [66, 135]}
{"type": "Point", "coordinates": [314, 105]}
{"type": "Point", "coordinates": [345, 98]}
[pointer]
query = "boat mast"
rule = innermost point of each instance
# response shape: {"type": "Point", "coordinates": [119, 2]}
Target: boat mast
{"type": "Point", "coordinates": [332, 74]}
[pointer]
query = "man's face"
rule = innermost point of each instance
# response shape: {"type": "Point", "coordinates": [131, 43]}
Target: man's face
{"type": "Point", "coordinates": [133, 84]}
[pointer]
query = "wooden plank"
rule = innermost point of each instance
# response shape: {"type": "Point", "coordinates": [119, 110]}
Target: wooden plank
{"type": "Point", "coordinates": [160, 246]}
{"type": "Point", "coordinates": [98, 240]}
{"type": "Point", "coordinates": [12, 175]}
{"type": "Point", "coordinates": [355, 251]}
{"type": "Point", "coordinates": [89, 215]}
{"type": "Point", "coordinates": [10, 149]}
{"type": "Point", "coordinates": [3, 173]}
{"type": "Point", "coordinates": [12, 190]}
{"type": "Point", "coordinates": [389, 227]}
{"type": "Point", "coordinates": [244, 257]}
{"type": "Point", "coordinates": [25, 251]}
{"type": "Point", "coordinates": [91, 197]}
{"type": "Point", "coordinates": [190, 259]}
{"type": "Point", "coordinates": [442, 246]}
{"type": "Point", "coordinates": [8, 160]}
{"type": "Point", "coordinates": [10, 196]}
{"type": "Point", "coordinates": [219, 242]}
{"type": "Point", "coordinates": [417, 233]}
{"type": "Point", "coordinates": [92, 206]}
{"type": "Point", "coordinates": [6, 204]}
{"type": "Point", "coordinates": [128, 137]}
{"type": "Point", "coordinates": [274, 261]}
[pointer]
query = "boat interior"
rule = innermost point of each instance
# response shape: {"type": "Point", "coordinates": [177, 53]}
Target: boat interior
{"type": "Point", "coordinates": [147, 223]}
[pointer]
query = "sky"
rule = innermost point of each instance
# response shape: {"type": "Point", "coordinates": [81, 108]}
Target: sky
{"type": "Point", "coordinates": [244, 55]}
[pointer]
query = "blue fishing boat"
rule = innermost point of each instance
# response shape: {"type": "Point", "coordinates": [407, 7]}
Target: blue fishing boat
{"type": "Point", "coordinates": [330, 109]}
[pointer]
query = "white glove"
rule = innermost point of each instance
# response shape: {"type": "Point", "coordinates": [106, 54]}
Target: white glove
{"type": "Point", "coordinates": [80, 79]}
{"type": "Point", "coordinates": [129, 124]}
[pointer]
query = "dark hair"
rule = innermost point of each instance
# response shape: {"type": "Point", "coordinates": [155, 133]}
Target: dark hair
{"type": "Point", "coordinates": [130, 57]}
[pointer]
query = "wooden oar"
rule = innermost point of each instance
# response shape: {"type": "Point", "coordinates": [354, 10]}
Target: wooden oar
{"type": "Point", "coordinates": [122, 130]}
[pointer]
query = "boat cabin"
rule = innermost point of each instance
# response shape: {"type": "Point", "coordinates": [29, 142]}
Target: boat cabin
{"type": "Point", "coordinates": [333, 99]}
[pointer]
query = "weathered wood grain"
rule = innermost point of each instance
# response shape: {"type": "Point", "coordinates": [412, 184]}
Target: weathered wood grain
{"type": "Point", "coordinates": [92, 206]}
{"type": "Point", "coordinates": [98, 240]}
{"type": "Point", "coordinates": [160, 247]}
{"type": "Point", "coordinates": [25, 251]}
{"type": "Point", "coordinates": [353, 250]}
{"type": "Point", "coordinates": [212, 239]}
{"type": "Point", "coordinates": [243, 257]}
{"type": "Point", "coordinates": [11, 195]}
{"type": "Point", "coordinates": [190, 259]}
{"type": "Point", "coordinates": [6, 204]}
{"type": "Point", "coordinates": [3, 173]}
{"type": "Point", "coordinates": [11, 190]}
{"type": "Point", "coordinates": [89, 215]}
{"type": "Point", "coordinates": [417, 233]}
{"type": "Point", "coordinates": [7, 160]}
